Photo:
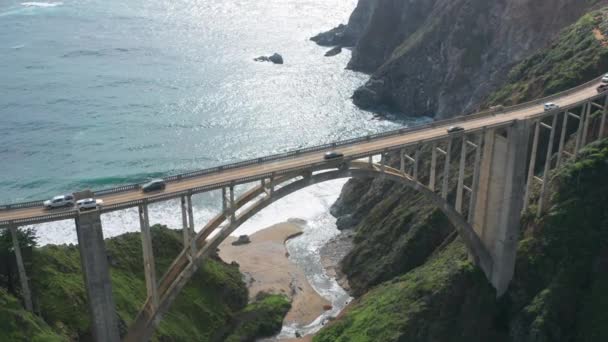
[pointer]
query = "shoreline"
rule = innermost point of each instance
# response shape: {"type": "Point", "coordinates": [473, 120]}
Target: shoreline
{"type": "Point", "coordinates": [266, 265]}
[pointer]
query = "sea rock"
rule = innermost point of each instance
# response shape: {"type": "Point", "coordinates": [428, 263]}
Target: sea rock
{"type": "Point", "coordinates": [331, 37]}
{"type": "Point", "coordinates": [275, 58]}
{"type": "Point", "coordinates": [242, 240]}
{"type": "Point", "coordinates": [333, 51]}
{"type": "Point", "coordinates": [347, 35]}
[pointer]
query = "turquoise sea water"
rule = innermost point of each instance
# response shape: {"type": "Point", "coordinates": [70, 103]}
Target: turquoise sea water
{"type": "Point", "coordinates": [97, 93]}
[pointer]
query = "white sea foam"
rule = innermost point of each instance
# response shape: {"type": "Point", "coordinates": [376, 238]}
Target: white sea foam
{"type": "Point", "coordinates": [41, 4]}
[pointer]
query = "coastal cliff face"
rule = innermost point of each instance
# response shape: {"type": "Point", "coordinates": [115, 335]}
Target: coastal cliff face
{"type": "Point", "coordinates": [558, 292]}
{"type": "Point", "coordinates": [444, 57]}
{"type": "Point", "coordinates": [410, 273]}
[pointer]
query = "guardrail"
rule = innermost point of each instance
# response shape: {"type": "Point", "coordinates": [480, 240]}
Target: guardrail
{"type": "Point", "coordinates": [291, 154]}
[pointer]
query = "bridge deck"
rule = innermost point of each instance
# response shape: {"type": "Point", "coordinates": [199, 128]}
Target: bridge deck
{"type": "Point", "coordinates": [302, 160]}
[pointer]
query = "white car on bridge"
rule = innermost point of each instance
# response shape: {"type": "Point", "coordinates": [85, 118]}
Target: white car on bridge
{"type": "Point", "coordinates": [88, 203]}
{"type": "Point", "coordinates": [549, 106]}
{"type": "Point", "coordinates": [59, 202]}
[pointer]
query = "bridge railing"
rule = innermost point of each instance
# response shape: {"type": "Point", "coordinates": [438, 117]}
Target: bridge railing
{"type": "Point", "coordinates": [21, 205]}
{"type": "Point", "coordinates": [40, 219]}
{"type": "Point", "coordinates": [295, 153]}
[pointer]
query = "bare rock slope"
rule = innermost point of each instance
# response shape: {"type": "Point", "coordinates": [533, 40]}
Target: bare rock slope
{"type": "Point", "coordinates": [444, 57]}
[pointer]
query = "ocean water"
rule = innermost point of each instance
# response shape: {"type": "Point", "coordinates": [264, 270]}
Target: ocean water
{"type": "Point", "coordinates": [99, 93]}
{"type": "Point", "coordinates": [96, 93]}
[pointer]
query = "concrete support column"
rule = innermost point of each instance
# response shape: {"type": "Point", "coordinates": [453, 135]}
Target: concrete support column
{"type": "Point", "coordinates": [416, 161]}
{"type": "Point", "coordinates": [579, 133]}
{"type": "Point", "coordinates": [461, 169]}
{"type": "Point", "coordinates": [586, 125]}
{"type": "Point", "coordinates": [547, 169]}
{"type": "Point", "coordinates": [532, 164]}
{"type": "Point", "coordinates": [476, 170]}
{"type": "Point", "coordinates": [148, 254]}
{"type": "Point", "coordinates": [25, 287]}
{"type": "Point", "coordinates": [562, 139]}
{"type": "Point", "coordinates": [190, 217]}
{"type": "Point", "coordinates": [433, 171]}
{"type": "Point", "coordinates": [603, 120]}
{"type": "Point", "coordinates": [402, 158]}
{"type": "Point", "coordinates": [97, 277]}
{"type": "Point", "coordinates": [446, 171]}
{"type": "Point", "coordinates": [232, 206]}
{"type": "Point", "coordinates": [501, 198]}
{"type": "Point", "coordinates": [185, 224]}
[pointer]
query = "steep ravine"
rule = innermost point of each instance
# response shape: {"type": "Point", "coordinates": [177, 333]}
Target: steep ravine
{"type": "Point", "coordinates": [444, 57]}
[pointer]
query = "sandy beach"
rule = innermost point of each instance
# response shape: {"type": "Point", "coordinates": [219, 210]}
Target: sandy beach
{"type": "Point", "coordinates": [266, 264]}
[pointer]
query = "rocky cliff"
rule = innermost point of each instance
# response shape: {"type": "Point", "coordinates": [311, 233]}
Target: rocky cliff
{"type": "Point", "coordinates": [409, 273]}
{"type": "Point", "coordinates": [444, 57]}
{"type": "Point", "coordinates": [558, 293]}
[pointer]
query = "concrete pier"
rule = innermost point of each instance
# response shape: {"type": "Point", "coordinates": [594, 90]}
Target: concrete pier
{"type": "Point", "coordinates": [97, 277]}
{"type": "Point", "coordinates": [500, 199]}
{"type": "Point", "coordinates": [25, 287]}
{"type": "Point", "coordinates": [148, 254]}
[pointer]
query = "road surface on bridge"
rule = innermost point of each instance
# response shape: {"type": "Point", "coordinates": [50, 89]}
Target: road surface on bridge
{"type": "Point", "coordinates": [304, 159]}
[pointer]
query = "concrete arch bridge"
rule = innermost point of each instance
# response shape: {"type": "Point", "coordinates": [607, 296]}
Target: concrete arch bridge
{"type": "Point", "coordinates": [500, 162]}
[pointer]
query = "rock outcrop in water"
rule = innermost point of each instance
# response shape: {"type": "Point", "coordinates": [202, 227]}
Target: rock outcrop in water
{"type": "Point", "coordinates": [335, 51]}
{"type": "Point", "coordinates": [275, 58]}
{"type": "Point", "coordinates": [444, 57]}
{"type": "Point", "coordinates": [348, 35]}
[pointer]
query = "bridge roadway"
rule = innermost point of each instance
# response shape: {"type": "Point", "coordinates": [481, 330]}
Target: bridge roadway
{"type": "Point", "coordinates": [437, 131]}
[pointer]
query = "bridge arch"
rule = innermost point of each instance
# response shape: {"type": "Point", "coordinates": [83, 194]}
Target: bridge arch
{"type": "Point", "coordinates": [186, 264]}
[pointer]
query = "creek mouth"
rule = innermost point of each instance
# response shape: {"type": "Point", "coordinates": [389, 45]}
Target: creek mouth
{"type": "Point", "coordinates": [306, 251]}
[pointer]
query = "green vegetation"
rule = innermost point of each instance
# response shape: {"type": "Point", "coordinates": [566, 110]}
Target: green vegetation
{"type": "Point", "coordinates": [560, 290]}
{"type": "Point", "coordinates": [262, 318]}
{"type": "Point", "coordinates": [214, 298]}
{"type": "Point", "coordinates": [16, 324]}
{"type": "Point", "coordinates": [579, 55]}
{"type": "Point", "coordinates": [559, 293]}
{"type": "Point", "coordinates": [403, 225]}
{"type": "Point", "coordinates": [446, 299]}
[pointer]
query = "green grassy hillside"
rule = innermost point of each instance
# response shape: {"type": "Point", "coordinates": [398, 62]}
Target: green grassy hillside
{"type": "Point", "coordinates": [214, 298]}
{"type": "Point", "coordinates": [578, 55]}
{"type": "Point", "coordinates": [559, 293]}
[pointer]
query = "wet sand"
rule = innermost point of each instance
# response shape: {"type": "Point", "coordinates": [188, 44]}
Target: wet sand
{"type": "Point", "coordinates": [267, 267]}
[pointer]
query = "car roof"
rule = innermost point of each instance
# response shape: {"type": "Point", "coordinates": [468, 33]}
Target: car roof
{"type": "Point", "coordinates": [86, 200]}
{"type": "Point", "coordinates": [59, 197]}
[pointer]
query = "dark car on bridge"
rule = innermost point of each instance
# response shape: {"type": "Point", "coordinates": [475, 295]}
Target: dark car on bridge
{"type": "Point", "coordinates": [455, 129]}
{"type": "Point", "coordinates": [154, 185]}
{"type": "Point", "coordinates": [333, 155]}
{"type": "Point", "coordinates": [602, 88]}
